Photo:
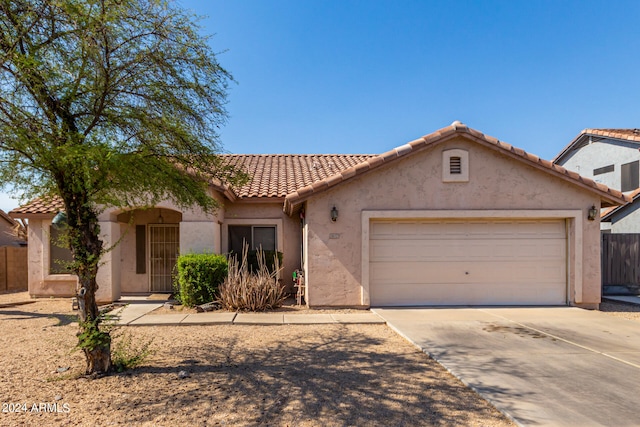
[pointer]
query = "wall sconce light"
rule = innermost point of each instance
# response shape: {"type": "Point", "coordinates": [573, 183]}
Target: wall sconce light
{"type": "Point", "coordinates": [593, 213]}
{"type": "Point", "coordinates": [160, 219]}
{"type": "Point", "coordinates": [334, 214]}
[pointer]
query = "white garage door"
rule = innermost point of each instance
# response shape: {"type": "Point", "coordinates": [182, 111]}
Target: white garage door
{"type": "Point", "coordinates": [473, 262]}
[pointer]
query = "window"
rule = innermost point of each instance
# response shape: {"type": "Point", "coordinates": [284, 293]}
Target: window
{"type": "Point", "coordinates": [256, 236]}
{"type": "Point", "coordinates": [59, 253]}
{"type": "Point", "coordinates": [630, 176]}
{"type": "Point", "coordinates": [604, 169]}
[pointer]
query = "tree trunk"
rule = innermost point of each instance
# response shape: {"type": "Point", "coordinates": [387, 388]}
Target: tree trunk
{"type": "Point", "coordinates": [86, 248]}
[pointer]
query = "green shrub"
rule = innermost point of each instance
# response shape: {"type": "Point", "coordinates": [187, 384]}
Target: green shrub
{"type": "Point", "coordinates": [128, 353]}
{"type": "Point", "coordinates": [199, 276]}
{"type": "Point", "coordinates": [248, 290]}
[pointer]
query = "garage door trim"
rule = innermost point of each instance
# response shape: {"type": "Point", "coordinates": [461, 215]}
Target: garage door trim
{"type": "Point", "coordinates": [574, 232]}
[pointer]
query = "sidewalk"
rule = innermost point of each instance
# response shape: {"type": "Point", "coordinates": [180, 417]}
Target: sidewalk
{"type": "Point", "coordinates": [138, 312]}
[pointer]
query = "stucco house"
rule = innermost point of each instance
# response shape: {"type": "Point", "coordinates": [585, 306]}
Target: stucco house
{"type": "Point", "coordinates": [453, 218]}
{"type": "Point", "coordinates": [610, 157]}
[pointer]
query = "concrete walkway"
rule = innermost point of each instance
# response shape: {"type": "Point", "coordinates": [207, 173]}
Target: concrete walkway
{"type": "Point", "coordinates": [138, 312]}
{"type": "Point", "coordinates": [556, 366]}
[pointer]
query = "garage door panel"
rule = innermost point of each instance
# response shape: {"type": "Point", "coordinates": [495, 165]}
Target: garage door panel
{"type": "Point", "coordinates": [469, 272]}
{"type": "Point", "coordinates": [538, 229]}
{"type": "Point", "coordinates": [441, 250]}
{"type": "Point", "coordinates": [454, 262]}
{"type": "Point", "coordinates": [465, 294]}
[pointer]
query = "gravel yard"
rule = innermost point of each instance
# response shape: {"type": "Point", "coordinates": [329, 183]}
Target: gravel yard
{"type": "Point", "coordinates": [309, 375]}
{"type": "Point", "coordinates": [619, 309]}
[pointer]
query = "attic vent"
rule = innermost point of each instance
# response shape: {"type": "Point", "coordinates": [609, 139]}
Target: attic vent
{"type": "Point", "coordinates": [455, 165]}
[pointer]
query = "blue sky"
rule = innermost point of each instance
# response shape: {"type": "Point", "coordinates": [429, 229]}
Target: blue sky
{"type": "Point", "coordinates": [364, 76]}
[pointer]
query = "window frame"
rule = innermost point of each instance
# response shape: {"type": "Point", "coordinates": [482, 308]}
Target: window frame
{"type": "Point", "coordinates": [252, 244]}
{"type": "Point", "coordinates": [603, 170]}
{"type": "Point", "coordinates": [259, 222]}
{"type": "Point", "coordinates": [632, 171]}
{"type": "Point", "coordinates": [49, 262]}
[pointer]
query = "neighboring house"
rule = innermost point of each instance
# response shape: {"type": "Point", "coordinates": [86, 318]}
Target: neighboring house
{"type": "Point", "coordinates": [610, 157]}
{"type": "Point", "coordinates": [452, 218]}
{"type": "Point", "coordinates": [11, 231]}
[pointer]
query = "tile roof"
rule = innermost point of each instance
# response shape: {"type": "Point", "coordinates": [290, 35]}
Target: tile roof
{"type": "Point", "coordinates": [40, 206]}
{"type": "Point", "coordinates": [276, 175]}
{"type": "Point", "coordinates": [295, 177]}
{"type": "Point", "coordinates": [631, 135]}
{"type": "Point", "coordinates": [271, 176]}
{"type": "Point", "coordinates": [627, 134]}
{"type": "Point", "coordinates": [609, 196]}
{"type": "Point", "coordinates": [606, 214]}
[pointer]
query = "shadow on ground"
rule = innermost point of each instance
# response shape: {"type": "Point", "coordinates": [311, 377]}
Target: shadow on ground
{"type": "Point", "coordinates": [63, 319]}
{"type": "Point", "coordinates": [351, 378]}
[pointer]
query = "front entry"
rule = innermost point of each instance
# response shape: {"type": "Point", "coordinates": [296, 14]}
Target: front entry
{"type": "Point", "coordinates": [164, 248]}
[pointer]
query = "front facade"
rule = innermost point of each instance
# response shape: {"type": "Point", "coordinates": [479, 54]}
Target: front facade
{"type": "Point", "coordinates": [453, 218]}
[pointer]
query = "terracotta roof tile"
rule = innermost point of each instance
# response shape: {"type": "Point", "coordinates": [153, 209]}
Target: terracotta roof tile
{"type": "Point", "coordinates": [628, 134]}
{"type": "Point", "coordinates": [39, 206]}
{"type": "Point", "coordinates": [608, 213]}
{"type": "Point", "coordinates": [609, 196]}
{"type": "Point", "coordinates": [295, 177]}
{"type": "Point", "coordinates": [276, 175]}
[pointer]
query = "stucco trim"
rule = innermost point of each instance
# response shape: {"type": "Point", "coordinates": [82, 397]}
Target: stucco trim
{"type": "Point", "coordinates": [463, 158]}
{"type": "Point", "coordinates": [574, 238]}
{"type": "Point", "coordinates": [277, 222]}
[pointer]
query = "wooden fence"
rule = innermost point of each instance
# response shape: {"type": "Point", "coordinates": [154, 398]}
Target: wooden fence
{"type": "Point", "coordinates": [13, 269]}
{"type": "Point", "coordinates": [620, 263]}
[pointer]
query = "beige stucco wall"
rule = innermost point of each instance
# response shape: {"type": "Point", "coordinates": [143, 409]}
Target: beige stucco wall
{"type": "Point", "coordinates": [117, 272]}
{"type": "Point", "coordinates": [288, 235]}
{"type": "Point", "coordinates": [41, 283]}
{"type": "Point", "coordinates": [496, 182]}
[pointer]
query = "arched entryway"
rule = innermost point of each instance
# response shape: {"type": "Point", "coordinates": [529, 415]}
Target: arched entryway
{"type": "Point", "coordinates": [152, 241]}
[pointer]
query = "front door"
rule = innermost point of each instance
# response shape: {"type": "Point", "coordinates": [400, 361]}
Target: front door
{"type": "Point", "coordinates": [164, 247]}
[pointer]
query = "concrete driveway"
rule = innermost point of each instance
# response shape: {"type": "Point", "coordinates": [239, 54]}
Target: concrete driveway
{"type": "Point", "coordinates": [557, 366]}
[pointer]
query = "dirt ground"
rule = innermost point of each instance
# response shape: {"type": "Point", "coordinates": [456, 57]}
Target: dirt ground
{"type": "Point", "coordinates": [236, 375]}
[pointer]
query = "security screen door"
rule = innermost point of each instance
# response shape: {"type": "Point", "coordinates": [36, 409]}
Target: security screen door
{"type": "Point", "coordinates": [164, 247]}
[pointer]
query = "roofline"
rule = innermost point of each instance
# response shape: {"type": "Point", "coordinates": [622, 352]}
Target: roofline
{"type": "Point", "coordinates": [8, 218]}
{"type": "Point", "coordinates": [32, 215]}
{"type": "Point", "coordinates": [634, 195]}
{"type": "Point", "coordinates": [600, 133]}
{"type": "Point", "coordinates": [609, 196]}
{"type": "Point", "coordinates": [567, 149]}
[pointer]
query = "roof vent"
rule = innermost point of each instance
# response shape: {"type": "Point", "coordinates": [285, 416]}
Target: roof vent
{"type": "Point", "coordinates": [455, 165]}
